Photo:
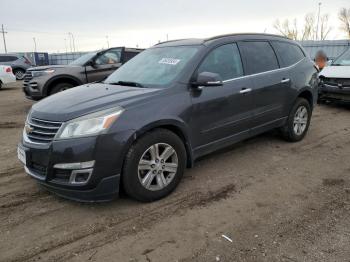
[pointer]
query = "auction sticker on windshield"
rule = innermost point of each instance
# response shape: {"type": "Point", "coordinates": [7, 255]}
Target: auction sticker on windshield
{"type": "Point", "coordinates": [169, 61]}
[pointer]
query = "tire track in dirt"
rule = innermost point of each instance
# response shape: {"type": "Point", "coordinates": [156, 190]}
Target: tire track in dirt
{"type": "Point", "coordinates": [11, 125]}
{"type": "Point", "coordinates": [110, 228]}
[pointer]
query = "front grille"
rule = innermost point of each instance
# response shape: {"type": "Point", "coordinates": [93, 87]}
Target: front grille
{"type": "Point", "coordinates": [344, 82]}
{"type": "Point", "coordinates": [27, 77]}
{"type": "Point", "coordinates": [42, 131]}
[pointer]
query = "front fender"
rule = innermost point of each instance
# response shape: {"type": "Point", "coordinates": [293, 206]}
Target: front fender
{"type": "Point", "coordinates": [57, 78]}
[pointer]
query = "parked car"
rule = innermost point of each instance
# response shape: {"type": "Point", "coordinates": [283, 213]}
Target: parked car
{"type": "Point", "coordinates": [42, 81]}
{"type": "Point", "coordinates": [18, 63]}
{"type": "Point", "coordinates": [6, 75]}
{"type": "Point", "coordinates": [335, 79]}
{"type": "Point", "coordinates": [173, 103]}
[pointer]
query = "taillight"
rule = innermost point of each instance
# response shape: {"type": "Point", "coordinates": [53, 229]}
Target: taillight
{"type": "Point", "coordinates": [8, 70]}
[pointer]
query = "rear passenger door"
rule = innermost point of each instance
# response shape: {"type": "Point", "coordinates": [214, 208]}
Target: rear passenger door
{"type": "Point", "coordinates": [270, 83]}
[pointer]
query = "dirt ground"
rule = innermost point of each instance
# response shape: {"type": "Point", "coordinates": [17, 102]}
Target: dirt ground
{"type": "Point", "coordinates": [276, 201]}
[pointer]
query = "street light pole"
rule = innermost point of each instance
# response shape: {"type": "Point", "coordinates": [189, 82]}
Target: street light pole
{"type": "Point", "coordinates": [3, 37]}
{"type": "Point", "coordinates": [34, 44]}
{"type": "Point", "coordinates": [107, 41]}
{"type": "Point", "coordinates": [318, 19]}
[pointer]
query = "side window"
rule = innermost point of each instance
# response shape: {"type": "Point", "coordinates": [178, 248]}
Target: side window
{"type": "Point", "coordinates": [7, 58]}
{"type": "Point", "coordinates": [288, 53]}
{"type": "Point", "coordinates": [12, 58]}
{"type": "Point", "coordinates": [225, 61]}
{"type": "Point", "coordinates": [258, 56]}
{"type": "Point", "coordinates": [129, 55]}
{"type": "Point", "coordinates": [110, 57]}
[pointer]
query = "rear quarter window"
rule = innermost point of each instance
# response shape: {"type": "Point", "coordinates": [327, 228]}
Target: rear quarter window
{"type": "Point", "coordinates": [258, 57]}
{"type": "Point", "coordinates": [288, 53]}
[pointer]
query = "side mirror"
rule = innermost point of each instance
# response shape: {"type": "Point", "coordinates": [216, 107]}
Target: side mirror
{"type": "Point", "coordinates": [91, 63]}
{"type": "Point", "coordinates": [207, 79]}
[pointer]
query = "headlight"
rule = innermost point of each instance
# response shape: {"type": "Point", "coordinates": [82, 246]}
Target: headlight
{"type": "Point", "coordinates": [92, 124]}
{"type": "Point", "coordinates": [41, 73]}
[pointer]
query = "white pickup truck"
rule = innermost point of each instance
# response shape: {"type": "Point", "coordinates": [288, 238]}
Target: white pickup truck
{"type": "Point", "coordinates": [6, 75]}
{"type": "Point", "coordinates": [335, 79]}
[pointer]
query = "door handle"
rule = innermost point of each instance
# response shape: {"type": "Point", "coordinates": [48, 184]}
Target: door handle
{"type": "Point", "coordinates": [285, 80]}
{"type": "Point", "coordinates": [245, 90]}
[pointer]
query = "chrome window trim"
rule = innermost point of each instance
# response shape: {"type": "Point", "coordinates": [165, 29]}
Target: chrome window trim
{"type": "Point", "coordinates": [265, 72]}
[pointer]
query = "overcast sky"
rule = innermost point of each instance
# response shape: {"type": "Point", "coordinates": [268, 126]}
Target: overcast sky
{"type": "Point", "coordinates": [143, 23]}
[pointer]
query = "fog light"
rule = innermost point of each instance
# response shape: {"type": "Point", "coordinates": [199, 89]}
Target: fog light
{"type": "Point", "coordinates": [80, 177]}
{"type": "Point", "coordinates": [81, 165]}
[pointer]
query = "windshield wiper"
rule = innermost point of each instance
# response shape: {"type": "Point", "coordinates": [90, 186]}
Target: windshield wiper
{"type": "Point", "coordinates": [336, 64]}
{"type": "Point", "coordinates": [127, 83]}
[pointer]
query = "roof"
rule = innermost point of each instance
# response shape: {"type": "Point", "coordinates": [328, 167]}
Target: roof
{"type": "Point", "coordinates": [198, 41]}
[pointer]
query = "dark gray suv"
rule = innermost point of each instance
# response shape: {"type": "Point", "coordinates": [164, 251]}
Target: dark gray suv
{"type": "Point", "coordinates": [42, 81]}
{"type": "Point", "coordinates": [177, 101]}
{"type": "Point", "coordinates": [18, 63]}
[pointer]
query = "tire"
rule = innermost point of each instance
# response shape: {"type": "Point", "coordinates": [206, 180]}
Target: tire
{"type": "Point", "coordinates": [0, 84]}
{"type": "Point", "coordinates": [60, 87]}
{"type": "Point", "coordinates": [134, 172]}
{"type": "Point", "coordinates": [19, 73]}
{"type": "Point", "coordinates": [296, 127]}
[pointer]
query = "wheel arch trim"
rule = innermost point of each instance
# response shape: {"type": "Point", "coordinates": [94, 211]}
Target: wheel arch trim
{"type": "Point", "coordinates": [54, 79]}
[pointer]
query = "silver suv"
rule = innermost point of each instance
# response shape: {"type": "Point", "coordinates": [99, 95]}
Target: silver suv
{"type": "Point", "coordinates": [19, 64]}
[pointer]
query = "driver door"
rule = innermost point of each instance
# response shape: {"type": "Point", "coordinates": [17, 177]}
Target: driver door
{"type": "Point", "coordinates": [221, 115]}
{"type": "Point", "coordinates": [103, 65]}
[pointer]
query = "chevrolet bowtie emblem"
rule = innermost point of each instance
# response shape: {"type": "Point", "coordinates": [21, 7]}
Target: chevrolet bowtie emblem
{"type": "Point", "coordinates": [28, 129]}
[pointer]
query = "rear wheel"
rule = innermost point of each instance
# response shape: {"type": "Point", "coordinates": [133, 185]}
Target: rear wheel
{"type": "Point", "coordinates": [19, 73]}
{"type": "Point", "coordinates": [298, 121]}
{"type": "Point", "coordinates": [60, 87]}
{"type": "Point", "coordinates": [154, 165]}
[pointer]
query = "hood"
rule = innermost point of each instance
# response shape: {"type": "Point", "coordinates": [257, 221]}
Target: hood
{"type": "Point", "coordinates": [89, 98]}
{"type": "Point", "coordinates": [41, 68]}
{"type": "Point", "coordinates": [336, 72]}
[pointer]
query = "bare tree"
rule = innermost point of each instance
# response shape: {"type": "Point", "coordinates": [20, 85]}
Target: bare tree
{"type": "Point", "coordinates": [309, 32]}
{"type": "Point", "coordinates": [305, 31]}
{"type": "Point", "coordinates": [287, 28]}
{"type": "Point", "coordinates": [324, 27]}
{"type": "Point", "coordinates": [344, 17]}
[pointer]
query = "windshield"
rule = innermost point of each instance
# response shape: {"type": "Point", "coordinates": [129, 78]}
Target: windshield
{"type": "Point", "coordinates": [343, 60]}
{"type": "Point", "coordinates": [154, 67]}
{"type": "Point", "coordinates": [83, 59]}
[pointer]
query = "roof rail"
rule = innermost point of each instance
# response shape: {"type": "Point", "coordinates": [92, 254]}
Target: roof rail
{"type": "Point", "coordinates": [236, 34]}
{"type": "Point", "coordinates": [175, 40]}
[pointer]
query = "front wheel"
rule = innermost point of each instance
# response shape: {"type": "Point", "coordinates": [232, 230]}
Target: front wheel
{"type": "Point", "coordinates": [298, 121]}
{"type": "Point", "coordinates": [60, 87]}
{"type": "Point", "coordinates": [154, 165]}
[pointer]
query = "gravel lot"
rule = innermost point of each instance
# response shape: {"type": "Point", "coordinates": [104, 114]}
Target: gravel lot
{"type": "Point", "coordinates": [277, 201]}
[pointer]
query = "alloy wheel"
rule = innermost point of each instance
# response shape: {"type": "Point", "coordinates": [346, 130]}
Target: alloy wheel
{"type": "Point", "coordinates": [300, 120]}
{"type": "Point", "coordinates": [157, 167]}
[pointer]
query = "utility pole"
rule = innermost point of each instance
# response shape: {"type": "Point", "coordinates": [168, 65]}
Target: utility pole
{"type": "Point", "coordinates": [34, 44]}
{"type": "Point", "coordinates": [318, 19]}
{"type": "Point", "coordinates": [3, 37]}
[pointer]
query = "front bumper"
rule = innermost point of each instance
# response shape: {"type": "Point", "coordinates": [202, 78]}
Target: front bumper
{"type": "Point", "coordinates": [334, 92]}
{"type": "Point", "coordinates": [32, 90]}
{"type": "Point", "coordinates": [106, 151]}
